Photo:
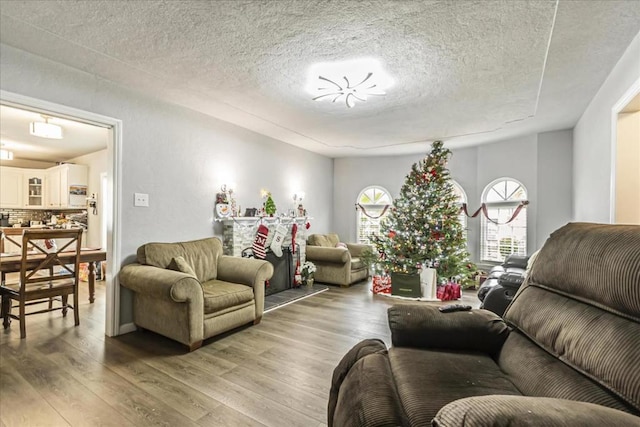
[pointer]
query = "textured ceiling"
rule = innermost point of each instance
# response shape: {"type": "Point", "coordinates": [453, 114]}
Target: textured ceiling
{"type": "Point", "coordinates": [465, 71]}
{"type": "Point", "coordinates": [39, 153]}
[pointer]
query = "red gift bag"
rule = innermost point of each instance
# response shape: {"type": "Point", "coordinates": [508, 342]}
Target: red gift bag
{"type": "Point", "coordinates": [381, 284]}
{"type": "Point", "coordinates": [449, 292]}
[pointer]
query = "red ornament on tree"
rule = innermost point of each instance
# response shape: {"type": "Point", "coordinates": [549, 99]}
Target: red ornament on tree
{"type": "Point", "coordinates": [392, 234]}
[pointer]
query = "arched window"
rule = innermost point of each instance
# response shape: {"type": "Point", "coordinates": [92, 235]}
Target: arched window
{"type": "Point", "coordinates": [461, 197]}
{"type": "Point", "coordinates": [372, 206]}
{"type": "Point", "coordinates": [499, 238]}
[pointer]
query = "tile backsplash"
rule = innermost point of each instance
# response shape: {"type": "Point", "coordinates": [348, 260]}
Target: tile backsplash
{"type": "Point", "coordinates": [24, 216]}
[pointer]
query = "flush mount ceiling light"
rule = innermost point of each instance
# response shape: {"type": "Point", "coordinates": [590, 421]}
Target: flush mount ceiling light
{"type": "Point", "coordinates": [348, 81]}
{"type": "Point", "coordinates": [6, 154]}
{"type": "Point", "coordinates": [46, 129]}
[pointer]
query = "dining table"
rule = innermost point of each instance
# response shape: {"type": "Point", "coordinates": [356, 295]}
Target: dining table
{"type": "Point", "coordinates": [11, 263]}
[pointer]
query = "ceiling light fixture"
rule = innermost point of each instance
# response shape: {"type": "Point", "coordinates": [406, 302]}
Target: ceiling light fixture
{"type": "Point", "coordinates": [348, 81]}
{"type": "Point", "coordinates": [46, 129]}
{"type": "Point", "coordinates": [6, 154]}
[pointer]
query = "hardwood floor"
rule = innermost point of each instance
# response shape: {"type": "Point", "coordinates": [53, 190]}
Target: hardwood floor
{"type": "Point", "coordinates": [276, 373]}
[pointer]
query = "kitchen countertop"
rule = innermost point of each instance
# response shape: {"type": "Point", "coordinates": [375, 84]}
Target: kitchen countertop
{"type": "Point", "coordinates": [16, 231]}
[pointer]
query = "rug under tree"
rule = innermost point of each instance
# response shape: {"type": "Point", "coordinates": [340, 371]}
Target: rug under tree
{"type": "Point", "coordinates": [280, 299]}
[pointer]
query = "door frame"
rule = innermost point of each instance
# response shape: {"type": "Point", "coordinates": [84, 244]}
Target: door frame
{"type": "Point", "coordinates": [629, 94]}
{"type": "Point", "coordinates": [113, 197]}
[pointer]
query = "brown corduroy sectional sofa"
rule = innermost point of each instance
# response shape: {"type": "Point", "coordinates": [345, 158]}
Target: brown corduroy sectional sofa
{"type": "Point", "coordinates": [567, 352]}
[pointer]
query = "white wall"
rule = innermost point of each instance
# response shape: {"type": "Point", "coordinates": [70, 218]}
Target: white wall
{"type": "Point", "coordinates": [97, 164]}
{"type": "Point", "coordinates": [537, 161]}
{"type": "Point", "coordinates": [592, 141]}
{"type": "Point", "coordinates": [178, 156]}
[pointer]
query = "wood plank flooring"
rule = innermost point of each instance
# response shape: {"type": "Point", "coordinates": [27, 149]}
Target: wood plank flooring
{"type": "Point", "coordinates": [274, 374]}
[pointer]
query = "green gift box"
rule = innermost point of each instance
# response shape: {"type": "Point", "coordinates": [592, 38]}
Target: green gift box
{"type": "Point", "coordinates": [406, 285]}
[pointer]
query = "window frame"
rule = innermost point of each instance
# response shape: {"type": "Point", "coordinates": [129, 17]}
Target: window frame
{"type": "Point", "coordinates": [518, 227]}
{"type": "Point", "coordinates": [464, 199]}
{"type": "Point", "coordinates": [360, 237]}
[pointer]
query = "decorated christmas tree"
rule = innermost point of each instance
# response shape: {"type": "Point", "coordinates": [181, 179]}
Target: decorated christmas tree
{"type": "Point", "coordinates": [423, 228]}
{"type": "Point", "coordinates": [269, 206]}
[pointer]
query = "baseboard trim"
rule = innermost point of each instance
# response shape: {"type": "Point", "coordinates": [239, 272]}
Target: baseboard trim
{"type": "Point", "coordinates": [126, 328]}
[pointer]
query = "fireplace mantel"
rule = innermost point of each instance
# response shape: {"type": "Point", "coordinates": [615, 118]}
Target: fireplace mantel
{"type": "Point", "coordinates": [239, 232]}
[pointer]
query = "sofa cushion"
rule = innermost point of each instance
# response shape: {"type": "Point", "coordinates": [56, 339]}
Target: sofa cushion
{"type": "Point", "coordinates": [327, 240]}
{"type": "Point", "coordinates": [427, 380]}
{"type": "Point", "coordinates": [202, 255]}
{"type": "Point", "coordinates": [220, 295]}
{"type": "Point", "coordinates": [180, 264]}
{"type": "Point", "coordinates": [547, 376]}
{"type": "Point", "coordinates": [581, 304]}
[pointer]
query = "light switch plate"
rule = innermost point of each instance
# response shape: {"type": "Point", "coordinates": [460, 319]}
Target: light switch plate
{"type": "Point", "coordinates": [141, 199]}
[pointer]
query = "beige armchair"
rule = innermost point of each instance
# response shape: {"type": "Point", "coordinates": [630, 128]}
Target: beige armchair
{"type": "Point", "coordinates": [336, 265]}
{"type": "Point", "coordinates": [190, 291]}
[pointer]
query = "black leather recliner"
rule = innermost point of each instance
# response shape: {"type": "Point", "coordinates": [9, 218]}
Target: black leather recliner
{"type": "Point", "coordinates": [502, 284]}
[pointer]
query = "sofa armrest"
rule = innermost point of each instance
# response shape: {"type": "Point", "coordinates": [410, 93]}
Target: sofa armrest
{"type": "Point", "coordinates": [356, 249]}
{"type": "Point", "coordinates": [247, 271]}
{"type": "Point", "coordinates": [424, 326]}
{"type": "Point", "coordinates": [161, 283]}
{"type": "Point", "coordinates": [523, 411]}
{"type": "Point", "coordinates": [324, 254]}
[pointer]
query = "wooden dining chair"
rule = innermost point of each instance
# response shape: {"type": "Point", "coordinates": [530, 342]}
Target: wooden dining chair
{"type": "Point", "coordinates": [39, 282]}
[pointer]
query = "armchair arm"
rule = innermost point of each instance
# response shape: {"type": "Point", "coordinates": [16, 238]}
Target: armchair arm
{"type": "Point", "coordinates": [357, 249]}
{"type": "Point", "coordinates": [424, 326]}
{"type": "Point", "coordinates": [321, 253]}
{"type": "Point", "coordinates": [161, 283]}
{"type": "Point", "coordinates": [246, 271]}
{"type": "Point", "coordinates": [527, 411]}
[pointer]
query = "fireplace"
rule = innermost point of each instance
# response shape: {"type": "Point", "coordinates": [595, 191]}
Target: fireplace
{"type": "Point", "coordinates": [284, 268]}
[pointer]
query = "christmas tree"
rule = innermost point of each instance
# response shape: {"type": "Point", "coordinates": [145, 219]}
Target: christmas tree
{"type": "Point", "coordinates": [423, 228]}
{"type": "Point", "coordinates": [269, 206]}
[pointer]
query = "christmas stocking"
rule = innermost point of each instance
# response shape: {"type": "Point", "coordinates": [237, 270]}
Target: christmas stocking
{"type": "Point", "coordinates": [294, 230]}
{"type": "Point", "coordinates": [276, 244]}
{"type": "Point", "coordinates": [259, 243]}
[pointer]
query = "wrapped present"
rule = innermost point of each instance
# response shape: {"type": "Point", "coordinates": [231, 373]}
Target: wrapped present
{"type": "Point", "coordinates": [406, 285]}
{"type": "Point", "coordinates": [428, 282]}
{"type": "Point", "coordinates": [381, 284]}
{"type": "Point", "coordinates": [449, 292]}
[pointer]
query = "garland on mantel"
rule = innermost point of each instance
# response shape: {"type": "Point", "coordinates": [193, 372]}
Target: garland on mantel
{"type": "Point", "coordinates": [364, 211]}
{"type": "Point", "coordinates": [483, 209]}
{"type": "Point", "coordinates": [260, 220]}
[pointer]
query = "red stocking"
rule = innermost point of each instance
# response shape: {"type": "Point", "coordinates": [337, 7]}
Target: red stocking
{"type": "Point", "coordinates": [259, 243]}
{"type": "Point", "coordinates": [294, 230]}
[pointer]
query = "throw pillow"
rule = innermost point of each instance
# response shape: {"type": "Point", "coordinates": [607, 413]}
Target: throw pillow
{"type": "Point", "coordinates": [341, 245]}
{"type": "Point", "coordinates": [180, 264]}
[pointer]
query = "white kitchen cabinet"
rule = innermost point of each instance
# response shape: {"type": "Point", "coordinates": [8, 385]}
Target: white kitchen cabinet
{"type": "Point", "coordinates": [11, 188]}
{"type": "Point", "coordinates": [66, 186]}
{"type": "Point", "coordinates": [33, 182]}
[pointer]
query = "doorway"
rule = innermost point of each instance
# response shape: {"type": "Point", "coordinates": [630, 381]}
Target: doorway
{"type": "Point", "coordinates": [110, 188]}
{"type": "Point", "coordinates": [626, 159]}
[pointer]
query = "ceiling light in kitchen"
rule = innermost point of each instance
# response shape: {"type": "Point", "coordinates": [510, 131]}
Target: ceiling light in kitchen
{"type": "Point", "coordinates": [46, 129]}
{"type": "Point", "coordinates": [6, 154]}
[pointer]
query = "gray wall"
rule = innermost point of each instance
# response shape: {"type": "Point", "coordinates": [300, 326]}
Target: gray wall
{"type": "Point", "coordinates": [555, 182]}
{"type": "Point", "coordinates": [177, 156]}
{"type": "Point", "coordinates": [542, 162]}
{"type": "Point", "coordinates": [592, 141]}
